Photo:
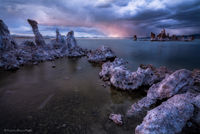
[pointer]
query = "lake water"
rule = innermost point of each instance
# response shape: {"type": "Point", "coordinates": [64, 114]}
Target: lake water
{"type": "Point", "coordinates": [70, 98]}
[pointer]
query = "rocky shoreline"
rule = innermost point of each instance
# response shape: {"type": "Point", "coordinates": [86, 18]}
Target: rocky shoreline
{"type": "Point", "coordinates": [178, 91]}
{"type": "Point", "coordinates": [13, 55]}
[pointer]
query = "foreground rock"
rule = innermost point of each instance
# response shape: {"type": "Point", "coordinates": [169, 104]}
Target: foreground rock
{"type": "Point", "coordinates": [109, 68]}
{"type": "Point", "coordinates": [120, 77]}
{"type": "Point", "coordinates": [178, 82]}
{"type": "Point", "coordinates": [101, 55]}
{"type": "Point", "coordinates": [196, 116]}
{"type": "Point", "coordinates": [168, 118]}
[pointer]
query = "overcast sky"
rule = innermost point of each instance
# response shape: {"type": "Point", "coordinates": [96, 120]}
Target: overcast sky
{"type": "Point", "coordinates": [112, 18]}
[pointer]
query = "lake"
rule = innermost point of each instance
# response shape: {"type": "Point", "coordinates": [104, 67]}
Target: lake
{"type": "Point", "coordinates": [70, 98]}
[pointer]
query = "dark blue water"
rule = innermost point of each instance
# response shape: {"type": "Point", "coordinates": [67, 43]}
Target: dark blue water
{"type": "Point", "coordinates": [173, 54]}
{"type": "Point", "coordinates": [71, 99]}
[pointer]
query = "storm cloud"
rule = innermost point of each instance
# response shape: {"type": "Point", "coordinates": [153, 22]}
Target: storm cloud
{"type": "Point", "coordinates": [103, 18]}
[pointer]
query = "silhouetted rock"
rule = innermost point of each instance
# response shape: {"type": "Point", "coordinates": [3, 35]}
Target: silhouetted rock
{"type": "Point", "coordinates": [101, 55]}
{"type": "Point", "coordinates": [135, 37]}
{"type": "Point", "coordinates": [168, 118]}
{"type": "Point", "coordinates": [39, 40]}
{"type": "Point", "coordinates": [162, 36]}
{"type": "Point", "coordinates": [153, 36]}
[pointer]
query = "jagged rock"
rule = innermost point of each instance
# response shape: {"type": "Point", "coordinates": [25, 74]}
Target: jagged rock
{"type": "Point", "coordinates": [144, 76]}
{"type": "Point", "coordinates": [109, 68]}
{"type": "Point", "coordinates": [29, 44]}
{"type": "Point", "coordinates": [101, 55]}
{"type": "Point", "coordinates": [168, 118]}
{"type": "Point", "coordinates": [171, 85]}
{"type": "Point", "coordinates": [116, 118]}
{"type": "Point", "coordinates": [59, 42]}
{"type": "Point", "coordinates": [196, 117]}
{"type": "Point", "coordinates": [6, 40]}
{"type": "Point", "coordinates": [73, 49]}
{"type": "Point", "coordinates": [71, 41]}
{"type": "Point", "coordinates": [8, 61]}
{"type": "Point", "coordinates": [162, 35]}
{"type": "Point", "coordinates": [8, 47]}
{"type": "Point", "coordinates": [77, 52]}
{"type": "Point", "coordinates": [11, 56]}
{"type": "Point", "coordinates": [153, 36]}
{"type": "Point", "coordinates": [196, 77]}
{"type": "Point", "coordinates": [141, 106]}
{"type": "Point", "coordinates": [59, 37]}
{"type": "Point", "coordinates": [39, 40]}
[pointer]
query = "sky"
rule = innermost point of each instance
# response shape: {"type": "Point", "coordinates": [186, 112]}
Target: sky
{"type": "Point", "coordinates": [102, 18]}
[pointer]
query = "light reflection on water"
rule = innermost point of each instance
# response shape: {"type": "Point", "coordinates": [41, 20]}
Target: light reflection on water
{"type": "Point", "coordinates": [71, 99]}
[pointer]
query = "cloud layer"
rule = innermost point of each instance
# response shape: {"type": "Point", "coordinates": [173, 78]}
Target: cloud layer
{"type": "Point", "coordinates": [101, 18]}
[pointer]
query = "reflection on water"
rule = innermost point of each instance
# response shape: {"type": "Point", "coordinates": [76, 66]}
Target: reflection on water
{"type": "Point", "coordinates": [70, 98]}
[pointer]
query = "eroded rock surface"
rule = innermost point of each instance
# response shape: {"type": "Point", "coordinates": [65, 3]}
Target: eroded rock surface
{"type": "Point", "coordinates": [59, 42]}
{"type": "Point", "coordinates": [7, 42]}
{"type": "Point", "coordinates": [12, 55]}
{"type": "Point", "coordinates": [196, 117]}
{"type": "Point", "coordinates": [168, 118]}
{"type": "Point", "coordinates": [59, 37]}
{"type": "Point", "coordinates": [108, 68]}
{"type": "Point", "coordinates": [171, 85]}
{"type": "Point", "coordinates": [71, 41]}
{"type": "Point", "coordinates": [146, 75]}
{"type": "Point", "coordinates": [8, 49]}
{"type": "Point", "coordinates": [73, 49]}
{"type": "Point", "coordinates": [101, 55]}
{"type": "Point", "coordinates": [39, 40]}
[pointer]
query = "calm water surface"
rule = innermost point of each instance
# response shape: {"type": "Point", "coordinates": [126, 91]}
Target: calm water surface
{"type": "Point", "coordinates": [71, 99]}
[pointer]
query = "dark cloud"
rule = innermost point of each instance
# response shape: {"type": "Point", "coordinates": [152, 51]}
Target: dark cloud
{"type": "Point", "coordinates": [103, 17]}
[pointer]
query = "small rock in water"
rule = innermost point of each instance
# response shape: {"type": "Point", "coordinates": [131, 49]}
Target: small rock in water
{"type": "Point", "coordinates": [64, 125]}
{"type": "Point", "coordinates": [116, 118]}
{"type": "Point", "coordinates": [101, 55]}
{"type": "Point", "coordinates": [53, 66]}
